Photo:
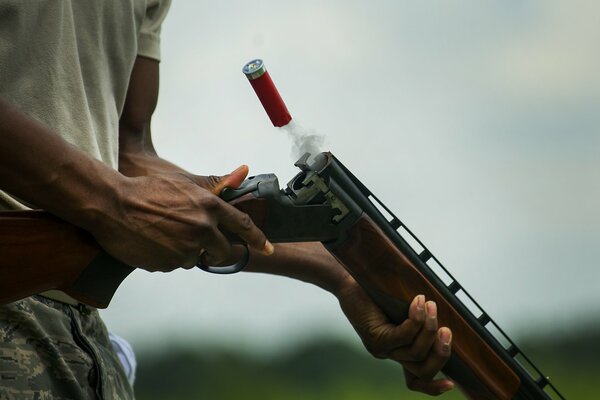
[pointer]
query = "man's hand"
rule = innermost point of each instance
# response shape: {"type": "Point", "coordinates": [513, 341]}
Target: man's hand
{"type": "Point", "coordinates": [417, 343]}
{"type": "Point", "coordinates": [165, 221]}
{"type": "Point", "coordinates": [166, 217]}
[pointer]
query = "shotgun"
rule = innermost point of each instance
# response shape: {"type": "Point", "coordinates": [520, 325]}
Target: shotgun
{"type": "Point", "coordinates": [324, 202]}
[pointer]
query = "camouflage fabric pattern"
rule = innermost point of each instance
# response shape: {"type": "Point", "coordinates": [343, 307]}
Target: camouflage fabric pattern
{"type": "Point", "coordinates": [50, 350]}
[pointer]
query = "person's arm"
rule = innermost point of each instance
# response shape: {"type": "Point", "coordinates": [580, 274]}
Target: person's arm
{"type": "Point", "coordinates": [156, 223]}
{"type": "Point", "coordinates": [41, 168]}
{"type": "Point", "coordinates": [137, 156]}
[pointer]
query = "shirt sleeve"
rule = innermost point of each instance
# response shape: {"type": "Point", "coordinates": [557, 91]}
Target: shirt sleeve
{"type": "Point", "coordinates": [149, 34]}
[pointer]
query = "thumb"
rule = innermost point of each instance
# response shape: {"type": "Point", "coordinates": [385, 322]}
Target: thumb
{"type": "Point", "coordinates": [232, 180]}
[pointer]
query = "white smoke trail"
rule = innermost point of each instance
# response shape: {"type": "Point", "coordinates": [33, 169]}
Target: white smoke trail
{"type": "Point", "coordinates": [304, 140]}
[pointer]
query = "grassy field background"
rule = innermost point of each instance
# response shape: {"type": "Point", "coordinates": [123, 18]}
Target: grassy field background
{"type": "Point", "coordinates": [330, 369]}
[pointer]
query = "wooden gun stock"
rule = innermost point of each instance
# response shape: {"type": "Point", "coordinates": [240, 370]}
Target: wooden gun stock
{"type": "Point", "coordinates": [39, 252]}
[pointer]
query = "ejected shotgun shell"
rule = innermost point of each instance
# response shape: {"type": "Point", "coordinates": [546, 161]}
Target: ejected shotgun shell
{"type": "Point", "coordinates": [267, 93]}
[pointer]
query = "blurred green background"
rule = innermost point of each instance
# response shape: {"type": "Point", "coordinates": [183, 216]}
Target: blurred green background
{"type": "Point", "coordinates": [325, 368]}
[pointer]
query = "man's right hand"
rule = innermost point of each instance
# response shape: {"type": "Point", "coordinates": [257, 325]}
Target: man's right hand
{"type": "Point", "coordinates": [165, 221]}
{"type": "Point", "coordinates": [159, 221]}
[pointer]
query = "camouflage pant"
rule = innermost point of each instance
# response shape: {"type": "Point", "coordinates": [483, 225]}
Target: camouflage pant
{"type": "Point", "coordinates": [50, 350]}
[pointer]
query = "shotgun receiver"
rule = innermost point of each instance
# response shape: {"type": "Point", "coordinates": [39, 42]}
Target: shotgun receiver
{"type": "Point", "coordinates": [325, 202]}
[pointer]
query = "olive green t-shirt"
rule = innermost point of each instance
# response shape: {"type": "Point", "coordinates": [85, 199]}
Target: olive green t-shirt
{"type": "Point", "coordinates": [67, 64]}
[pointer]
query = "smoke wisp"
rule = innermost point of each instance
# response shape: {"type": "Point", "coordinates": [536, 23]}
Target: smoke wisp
{"type": "Point", "coordinates": [303, 140]}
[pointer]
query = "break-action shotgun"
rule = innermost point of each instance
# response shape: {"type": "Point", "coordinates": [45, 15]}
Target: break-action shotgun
{"type": "Point", "coordinates": [324, 202]}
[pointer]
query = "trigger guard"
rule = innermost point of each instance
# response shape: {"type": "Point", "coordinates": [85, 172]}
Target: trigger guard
{"type": "Point", "coordinates": [228, 269]}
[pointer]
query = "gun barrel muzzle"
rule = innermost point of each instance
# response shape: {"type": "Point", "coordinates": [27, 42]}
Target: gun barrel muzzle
{"type": "Point", "coordinates": [267, 93]}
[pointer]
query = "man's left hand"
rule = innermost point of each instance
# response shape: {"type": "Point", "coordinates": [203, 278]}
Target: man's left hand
{"type": "Point", "coordinates": [417, 343]}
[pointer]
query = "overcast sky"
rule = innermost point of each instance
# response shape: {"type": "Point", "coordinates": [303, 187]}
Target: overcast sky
{"type": "Point", "coordinates": [476, 123]}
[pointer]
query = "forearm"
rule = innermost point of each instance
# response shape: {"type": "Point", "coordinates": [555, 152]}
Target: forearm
{"type": "Point", "coordinates": [41, 168]}
{"type": "Point", "coordinates": [309, 262]}
{"type": "Point", "coordinates": [137, 156]}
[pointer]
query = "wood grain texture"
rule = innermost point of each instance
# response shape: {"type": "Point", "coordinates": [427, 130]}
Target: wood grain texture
{"type": "Point", "coordinates": [39, 252]}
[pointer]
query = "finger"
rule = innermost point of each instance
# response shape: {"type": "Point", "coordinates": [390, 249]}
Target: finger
{"type": "Point", "coordinates": [232, 180]}
{"type": "Point", "coordinates": [436, 359]}
{"type": "Point", "coordinates": [430, 387]}
{"type": "Point", "coordinates": [215, 184]}
{"type": "Point", "coordinates": [215, 248]}
{"type": "Point", "coordinates": [420, 347]}
{"type": "Point", "coordinates": [390, 337]}
{"type": "Point", "coordinates": [236, 254]}
{"type": "Point", "coordinates": [416, 310]}
{"type": "Point", "coordinates": [404, 334]}
{"type": "Point", "coordinates": [241, 224]}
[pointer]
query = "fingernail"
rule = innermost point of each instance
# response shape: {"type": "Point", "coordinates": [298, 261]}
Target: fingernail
{"type": "Point", "coordinates": [431, 310]}
{"type": "Point", "coordinates": [268, 249]}
{"type": "Point", "coordinates": [238, 169]}
{"type": "Point", "coordinates": [420, 302]}
{"type": "Point", "coordinates": [445, 336]}
{"type": "Point", "coordinates": [431, 321]}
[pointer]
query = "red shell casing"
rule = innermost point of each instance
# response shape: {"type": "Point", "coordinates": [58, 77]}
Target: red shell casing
{"type": "Point", "coordinates": [271, 100]}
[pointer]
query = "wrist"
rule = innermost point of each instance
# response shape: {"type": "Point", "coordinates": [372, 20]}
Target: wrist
{"type": "Point", "coordinates": [344, 285]}
{"type": "Point", "coordinates": [144, 163]}
{"type": "Point", "coordinates": [136, 163]}
{"type": "Point", "coordinates": [308, 261]}
{"type": "Point", "coordinates": [92, 194]}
